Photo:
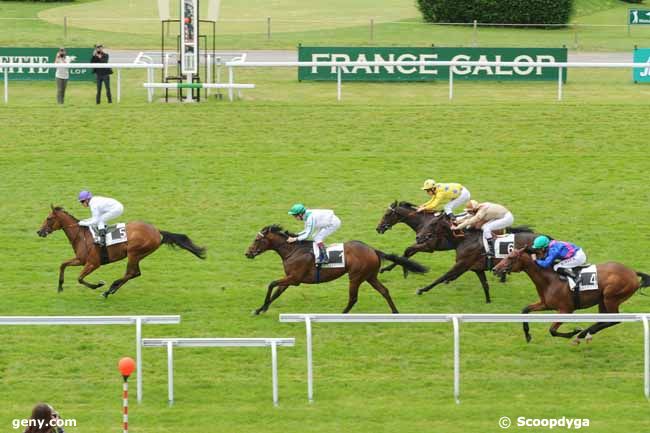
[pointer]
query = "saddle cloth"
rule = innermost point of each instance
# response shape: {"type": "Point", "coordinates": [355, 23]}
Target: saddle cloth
{"type": "Point", "coordinates": [504, 245]}
{"type": "Point", "coordinates": [336, 254]}
{"type": "Point", "coordinates": [587, 280]}
{"type": "Point", "coordinates": [115, 234]}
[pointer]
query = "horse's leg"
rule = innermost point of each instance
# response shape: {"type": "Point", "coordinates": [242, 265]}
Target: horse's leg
{"type": "Point", "coordinates": [606, 306]}
{"type": "Point", "coordinates": [132, 271]}
{"type": "Point", "coordinates": [268, 299]}
{"type": "Point", "coordinates": [374, 282]}
{"type": "Point", "coordinates": [280, 290]}
{"type": "Point", "coordinates": [353, 293]}
{"type": "Point", "coordinates": [456, 271]}
{"type": "Point", "coordinates": [90, 267]}
{"type": "Point", "coordinates": [556, 325]}
{"type": "Point", "coordinates": [537, 306]}
{"type": "Point", "coordinates": [72, 262]}
{"type": "Point", "coordinates": [484, 282]}
{"type": "Point", "coordinates": [408, 252]}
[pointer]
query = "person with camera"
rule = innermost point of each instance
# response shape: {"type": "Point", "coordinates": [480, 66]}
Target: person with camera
{"type": "Point", "coordinates": [62, 75]}
{"type": "Point", "coordinates": [44, 419]}
{"type": "Point", "coordinates": [103, 74]}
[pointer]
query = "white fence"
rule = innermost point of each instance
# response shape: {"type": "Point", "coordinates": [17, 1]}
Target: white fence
{"type": "Point", "coordinates": [138, 321]}
{"type": "Point", "coordinates": [456, 320]}
{"type": "Point", "coordinates": [4, 68]}
{"type": "Point", "coordinates": [561, 66]}
{"type": "Point", "coordinates": [170, 343]}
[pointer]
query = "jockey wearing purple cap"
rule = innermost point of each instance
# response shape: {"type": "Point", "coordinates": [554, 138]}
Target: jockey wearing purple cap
{"type": "Point", "coordinates": [102, 210]}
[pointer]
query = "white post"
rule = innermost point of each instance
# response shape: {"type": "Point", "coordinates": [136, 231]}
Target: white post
{"type": "Point", "coordinates": [188, 97]}
{"type": "Point", "coordinates": [6, 85]}
{"type": "Point", "coordinates": [646, 334]}
{"type": "Point", "coordinates": [231, 79]}
{"type": "Point", "coordinates": [274, 365]}
{"type": "Point", "coordinates": [149, 90]}
{"type": "Point", "coordinates": [559, 84]}
{"type": "Point", "coordinates": [310, 373]}
{"type": "Point", "coordinates": [451, 83]}
{"type": "Point", "coordinates": [170, 372]}
{"type": "Point", "coordinates": [338, 83]}
{"type": "Point", "coordinates": [119, 85]}
{"type": "Point", "coordinates": [138, 358]}
{"type": "Point", "coordinates": [208, 77]}
{"type": "Point", "coordinates": [456, 323]}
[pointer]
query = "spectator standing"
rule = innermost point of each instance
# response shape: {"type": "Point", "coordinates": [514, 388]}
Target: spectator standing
{"type": "Point", "coordinates": [62, 75]}
{"type": "Point", "coordinates": [103, 74]}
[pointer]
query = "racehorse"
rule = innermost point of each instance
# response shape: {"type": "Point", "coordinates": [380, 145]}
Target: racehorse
{"type": "Point", "coordinates": [362, 264]}
{"type": "Point", "coordinates": [470, 252]}
{"type": "Point", "coordinates": [616, 283]}
{"type": "Point", "coordinates": [143, 239]}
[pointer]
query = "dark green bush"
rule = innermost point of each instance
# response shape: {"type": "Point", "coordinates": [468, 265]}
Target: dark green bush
{"type": "Point", "coordinates": [497, 11]}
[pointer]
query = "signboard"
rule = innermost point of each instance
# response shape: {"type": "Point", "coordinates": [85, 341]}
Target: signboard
{"type": "Point", "coordinates": [430, 73]}
{"type": "Point", "coordinates": [642, 75]}
{"type": "Point", "coordinates": [639, 16]}
{"type": "Point", "coordinates": [189, 37]}
{"type": "Point", "coordinates": [45, 55]}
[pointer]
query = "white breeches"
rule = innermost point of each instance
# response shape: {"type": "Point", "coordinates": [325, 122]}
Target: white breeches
{"type": "Point", "coordinates": [497, 224]}
{"type": "Point", "coordinates": [105, 217]}
{"type": "Point", "coordinates": [459, 201]}
{"type": "Point", "coordinates": [324, 232]}
{"type": "Point", "coordinates": [579, 258]}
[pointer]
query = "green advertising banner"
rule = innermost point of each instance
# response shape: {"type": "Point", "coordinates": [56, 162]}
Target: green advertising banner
{"type": "Point", "coordinates": [430, 73]}
{"type": "Point", "coordinates": [45, 55]}
{"type": "Point", "coordinates": [642, 75]}
{"type": "Point", "coordinates": [639, 16]}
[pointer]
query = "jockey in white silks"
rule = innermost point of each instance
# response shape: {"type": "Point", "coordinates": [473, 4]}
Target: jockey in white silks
{"type": "Point", "coordinates": [102, 210]}
{"type": "Point", "coordinates": [319, 224]}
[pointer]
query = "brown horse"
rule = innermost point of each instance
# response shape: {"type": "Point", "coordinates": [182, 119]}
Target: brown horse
{"type": "Point", "coordinates": [143, 239]}
{"type": "Point", "coordinates": [616, 283]}
{"type": "Point", "coordinates": [361, 263]}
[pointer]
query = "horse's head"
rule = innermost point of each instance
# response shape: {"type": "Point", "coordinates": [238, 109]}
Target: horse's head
{"type": "Point", "coordinates": [265, 240]}
{"type": "Point", "coordinates": [52, 223]}
{"type": "Point", "coordinates": [389, 219]}
{"type": "Point", "coordinates": [435, 229]}
{"type": "Point", "coordinates": [514, 262]}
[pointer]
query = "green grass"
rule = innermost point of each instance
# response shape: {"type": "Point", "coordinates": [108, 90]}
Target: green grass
{"type": "Point", "coordinates": [219, 172]}
{"type": "Point", "coordinates": [134, 24]}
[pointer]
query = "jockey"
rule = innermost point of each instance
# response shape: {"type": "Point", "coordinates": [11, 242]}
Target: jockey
{"type": "Point", "coordinates": [489, 217]}
{"type": "Point", "coordinates": [570, 255]}
{"type": "Point", "coordinates": [102, 210]}
{"type": "Point", "coordinates": [444, 196]}
{"type": "Point", "coordinates": [319, 223]}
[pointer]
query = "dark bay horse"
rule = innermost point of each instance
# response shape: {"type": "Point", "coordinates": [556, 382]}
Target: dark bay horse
{"type": "Point", "coordinates": [616, 283]}
{"type": "Point", "coordinates": [470, 252]}
{"type": "Point", "coordinates": [143, 239]}
{"type": "Point", "coordinates": [361, 264]}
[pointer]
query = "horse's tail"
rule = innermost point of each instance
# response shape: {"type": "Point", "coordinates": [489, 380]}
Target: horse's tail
{"type": "Point", "coordinates": [409, 265]}
{"type": "Point", "coordinates": [645, 281]}
{"type": "Point", "coordinates": [181, 240]}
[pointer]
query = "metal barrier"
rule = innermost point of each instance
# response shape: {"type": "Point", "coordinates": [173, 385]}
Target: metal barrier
{"type": "Point", "coordinates": [456, 320]}
{"type": "Point", "coordinates": [138, 321]}
{"type": "Point", "coordinates": [170, 343]}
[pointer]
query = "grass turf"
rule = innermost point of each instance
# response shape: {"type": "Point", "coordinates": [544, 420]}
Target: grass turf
{"type": "Point", "coordinates": [219, 172]}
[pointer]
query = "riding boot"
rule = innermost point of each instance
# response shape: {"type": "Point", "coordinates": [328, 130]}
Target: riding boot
{"type": "Point", "coordinates": [322, 258]}
{"type": "Point", "coordinates": [490, 253]}
{"type": "Point", "coordinates": [102, 237]}
{"type": "Point", "coordinates": [451, 216]}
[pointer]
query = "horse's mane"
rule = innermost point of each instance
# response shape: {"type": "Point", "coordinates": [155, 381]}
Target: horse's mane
{"type": "Point", "coordinates": [277, 228]}
{"type": "Point", "coordinates": [406, 204]}
{"type": "Point", "coordinates": [60, 209]}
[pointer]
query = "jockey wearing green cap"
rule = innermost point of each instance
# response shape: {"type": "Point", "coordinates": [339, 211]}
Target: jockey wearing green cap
{"type": "Point", "coordinates": [319, 223]}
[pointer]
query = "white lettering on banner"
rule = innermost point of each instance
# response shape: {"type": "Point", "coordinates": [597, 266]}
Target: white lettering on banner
{"type": "Point", "coordinates": [389, 69]}
{"type": "Point", "coordinates": [367, 69]}
{"type": "Point", "coordinates": [523, 58]}
{"type": "Point", "coordinates": [340, 58]}
{"type": "Point", "coordinates": [407, 69]}
{"type": "Point", "coordinates": [500, 71]}
{"type": "Point", "coordinates": [646, 71]}
{"type": "Point", "coordinates": [543, 58]}
{"type": "Point", "coordinates": [461, 70]}
{"type": "Point", "coordinates": [317, 58]}
{"type": "Point", "coordinates": [486, 69]}
{"type": "Point", "coordinates": [428, 58]}
{"type": "Point", "coordinates": [26, 59]}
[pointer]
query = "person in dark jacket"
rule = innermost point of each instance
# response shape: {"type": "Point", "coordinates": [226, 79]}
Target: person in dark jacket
{"type": "Point", "coordinates": [103, 74]}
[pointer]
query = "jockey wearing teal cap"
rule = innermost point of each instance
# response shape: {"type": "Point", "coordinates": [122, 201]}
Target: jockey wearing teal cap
{"type": "Point", "coordinates": [319, 223]}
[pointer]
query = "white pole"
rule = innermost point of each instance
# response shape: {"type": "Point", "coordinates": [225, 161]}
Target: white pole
{"type": "Point", "coordinates": [170, 372]}
{"type": "Point", "coordinates": [456, 359]}
{"type": "Point", "coordinates": [6, 85]}
{"type": "Point", "coordinates": [646, 333]}
{"type": "Point", "coordinates": [451, 83]}
{"type": "Point", "coordinates": [231, 79]}
{"type": "Point", "coordinates": [149, 91]}
{"type": "Point", "coordinates": [310, 372]}
{"type": "Point", "coordinates": [138, 358]}
{"type": "Point", "coordinates": [208, 75]}
{"type": "Point", "coordinates": [274, 364]}
{"type": "Point", "coordinates": [338, 83]}
{"type": "Point", "coordinates": [559, 84]}
{"type": "Point", "coordinates": [119, 85]}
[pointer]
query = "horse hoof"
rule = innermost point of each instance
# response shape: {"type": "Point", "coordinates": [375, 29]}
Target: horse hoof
{"type": "Point", "coordinates": [59, 289]}
{"type": "Point", "coordinates": [528, 338]}
{"type": "Point", "coordinates": [419, 292]}
{"type": "Point", "coordinates": [588, 338]}
{"type": "Point", "coordinates": [105, 295]}
{"type": "Point", "coordinates": [575, 341]}
{"type": "Point", "coordinates": [100, 283]}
